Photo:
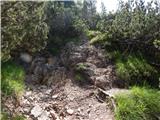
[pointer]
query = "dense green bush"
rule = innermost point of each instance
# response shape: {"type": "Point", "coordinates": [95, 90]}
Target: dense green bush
{"type": "Point", "coordinates": [134, 26]}
{"type": "Point", "coordinates": [91, 33]}
{"type": "Point", "coordinates": [65, 24]}
{"type": "Point", "coordinates": [140, 104]}
{"type": "Point", "coordinates": [80, 26]}
{"type": "Point", "coordinates": [23, 27]}
{"type": "Point", "coordinates": [56, 43]}
{"type": "Point", "coordinates": [61, 16]}
{"type": "Point", "coordinates": [134, 69]}
{"type": "Point", "coordinates": [136, 22]}
{"type": "Point", "coordinates": [12, 79]}
{"type": "Point", "coordinates": [100, 38]}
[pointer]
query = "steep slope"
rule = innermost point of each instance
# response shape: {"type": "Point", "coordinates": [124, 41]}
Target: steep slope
{"type": "Point", "coordinates": [53, 91]}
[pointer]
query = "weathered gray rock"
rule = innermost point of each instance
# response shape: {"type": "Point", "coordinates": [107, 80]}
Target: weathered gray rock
{"type": "Point", "coordinates": [54, 115]}
{"type": "Point", "coordinates": [45, 71]}
{"type": "Point", "coordinates": [70, 111]}
{"type": "Point", "coordinates": [86, 70]}
{"type": "Point", "coordinates": [71, 54]}
{"type": "Point", "coordinates": [85, 59]}
{"type": "Point", "coordinates": [36, 111]}
{"type": "Point", "coordinates": [100, 77]}
{"type": "Point", "coordinates": [103, 82]}
{"type": "Point", "coordinates": [55, 96]}
{"type": "Point", "coordinates": [56, 75]}
{"type": "Point", "coordinates": [44, 116]}
{"type": "Point", "coordinates": [25, 57]}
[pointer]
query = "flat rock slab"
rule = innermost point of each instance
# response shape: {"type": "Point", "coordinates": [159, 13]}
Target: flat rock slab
{"type": "Point", "coordinates": [36, 111]}
{"type": "Point", "coordinates": [44, 116]}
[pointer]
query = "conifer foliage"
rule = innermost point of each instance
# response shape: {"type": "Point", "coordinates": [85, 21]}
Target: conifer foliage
{"type": "Point", "coordinates": [23, 27]}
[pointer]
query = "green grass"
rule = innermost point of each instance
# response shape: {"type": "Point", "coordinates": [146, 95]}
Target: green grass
{"type": "Point", "coordinates": [12, 79]}
{"type": "Point", "coordinates": [4, 116]}
{"type": "Point", "coordinates": [19, 117]}
{"type": "Point", "coordinates": [91, 34]}
{"type": "Point", "coordinates": [12, 84]}
{"type": "Point", "coordinates": [135, 70]}
{"type": "Point", "coordinates": [100, 38]}
{"type": "Point", "coordinates": [140, 104]}
{"type": "Point", "coordinates": [79, 78]}
{"type": "Point", "coordinates": [97, 37]}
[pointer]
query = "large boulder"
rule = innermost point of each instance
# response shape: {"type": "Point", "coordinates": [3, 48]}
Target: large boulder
{"type": "Point", "coordinates": [100, 77]}
{"type": "Point", "coordinates": [97, 57]}
{"type": "Point", "coordinates": [73, 54]}
{"type": "Point", "coordinates": [45, 71]}
{"type": "Point", "coordinates": [103, 82]}
{"type": "Point", "coordinates": [86, 70]}
{"type": "Point", "coordinates": [89, 64]}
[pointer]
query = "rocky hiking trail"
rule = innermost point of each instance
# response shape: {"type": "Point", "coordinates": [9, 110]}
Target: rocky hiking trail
{"type": "Point", "coordinates": [54, 93]}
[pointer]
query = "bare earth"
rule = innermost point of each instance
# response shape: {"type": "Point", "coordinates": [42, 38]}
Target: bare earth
{"type": "Point", "coordinates": [65, 99]}
{"type": "Point", "coordinates": [65, 102]}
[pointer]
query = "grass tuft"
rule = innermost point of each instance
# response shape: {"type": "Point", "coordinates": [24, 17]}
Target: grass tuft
{"type": "Point", "coordinates": [12, 79]}
{"type": "Point", "coordinates": [135, 70]}
{"type": "Point", "coordinates": [140, 104]}
{"type": "Point", "coordinates": [5, 116]}
{"type": "Point", "coordinates": [79, 77]}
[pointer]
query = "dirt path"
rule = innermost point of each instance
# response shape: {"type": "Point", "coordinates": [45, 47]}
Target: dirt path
{"type": "Point", "coordinates": [68, 102]}
{"type": "Point", "coordinates": [65, 99]}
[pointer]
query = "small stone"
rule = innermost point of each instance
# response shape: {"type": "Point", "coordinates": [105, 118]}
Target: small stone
{"type": "Point", "coordinates": [71, 98]}
{"type": "Point", "coordinates": [70, 111]}
{"type": "Point", "coordinates": [48, 91]}
{"type": "Point", "coordinates": [36, 111]}
{"type": "Point", "coordinates": [31, 98]}
{"type": "Point", "coordinates": [88, 111]}
{"type": "Point", "coordinates": [26, 110]}
{"type": "Point", "coordinates": [25, 101]}
{"type": "Point", "coordinates": [43, 87]}
{"type": "Point", "coordinates": [28, 93]}
{"type": "Point", "coordinates": [54, 115]}
{"type": "Point", "coordinates": [44, 116]}
{"type": "Point", "coordinates": [79, 109]}
{"type": "Point", "coordinates": [55, 96]}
